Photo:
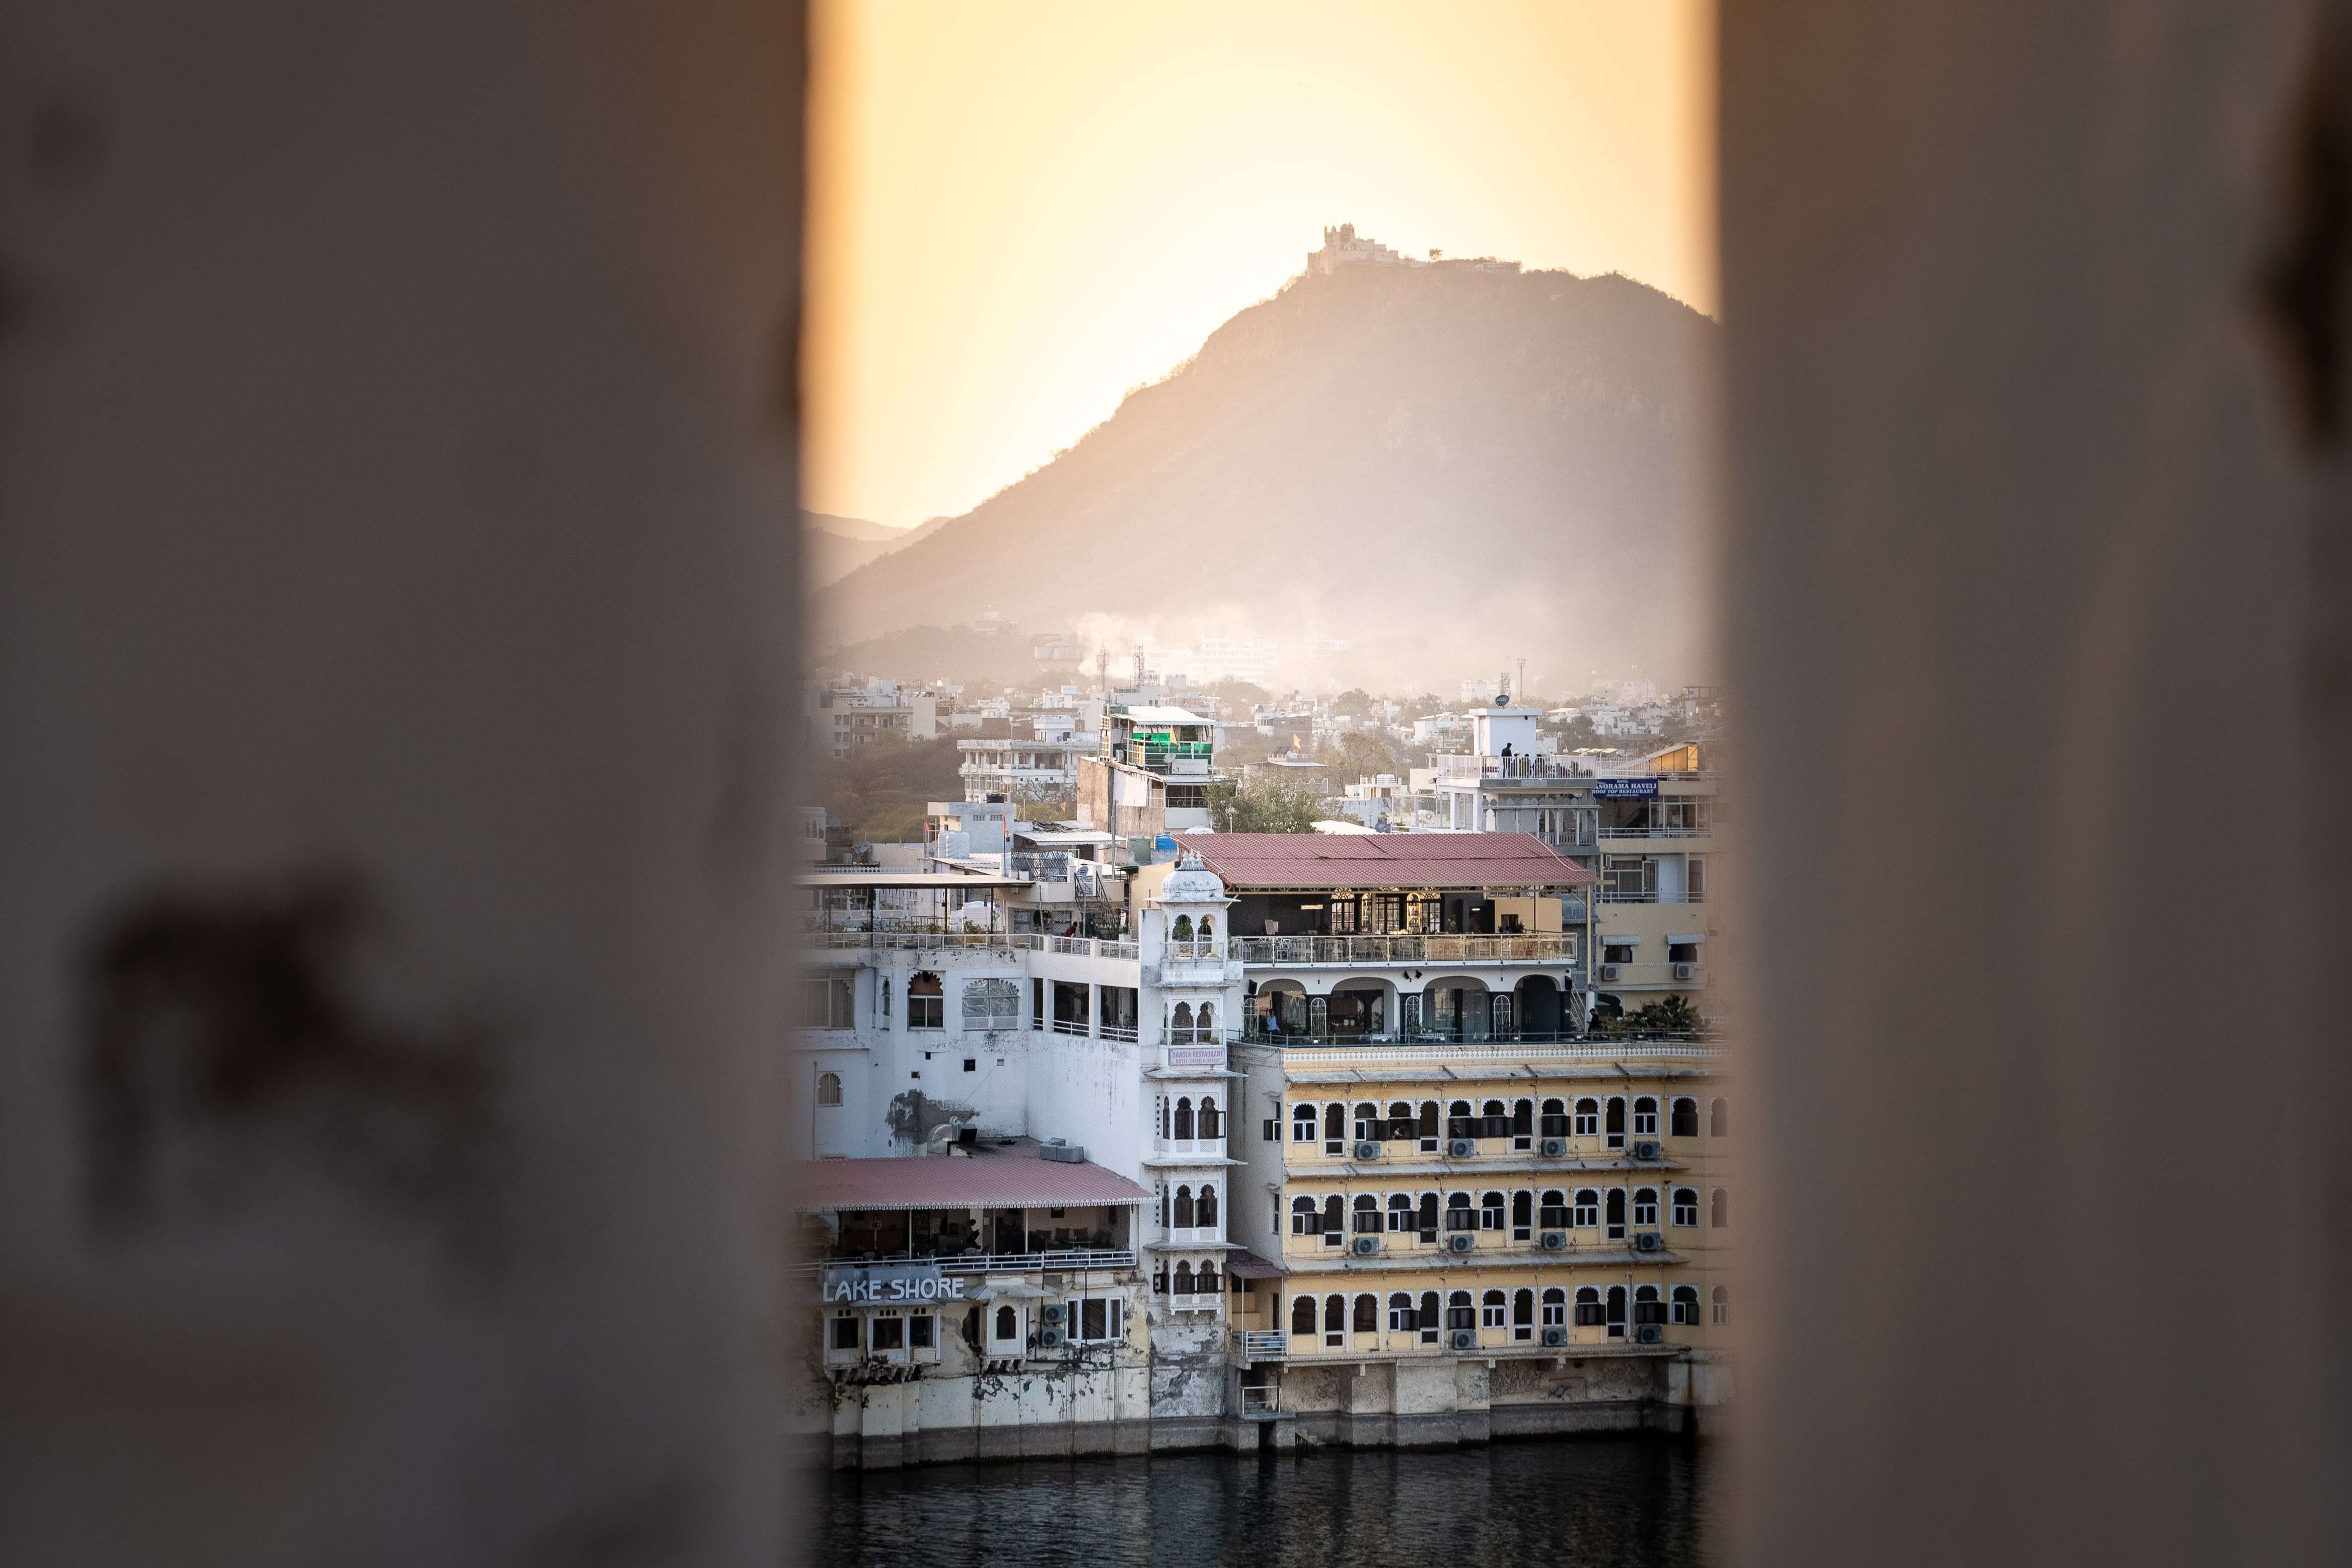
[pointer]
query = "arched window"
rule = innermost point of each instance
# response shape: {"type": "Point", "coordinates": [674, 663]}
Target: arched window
{"type": "Point", "coordinates": [1401, 1315]}
{"type": "Point", "coordinates": [1335, 1220]}
{"type": "Point", "coordinates": [1645, 1206]}
{"type": "Point", "coordinates": [1304, 1219]}
{"type": "Point", "coordinates": [1523, 1216]}
{"type": "Point", "coordinates": [1162, 1190]}
{"type": "Point", "coordinates": [1587, 1307]}
{"type": "Point", "coordinates": [1459, 1215]}
{"type": "Point", "coordinates": [1162, 1101]}
{"type": "Point", "coordinates": [1647, 1308]}
{"type": "Point", "coordinates": [1302, 1316]}
{"type": "Point", "coordinates": [1400, 1212]}
{"type": "Point", "coordinates": [1615, 1121]}
{"type": "Point", "coordinates": [1494, 1122]}
{"type": "Point", "coordinates": [1588, 1210]}
{"type": "Point", "coordinates": [1588, 1118]}
{"type": "Point", "coordinates": [1616, 1212]}
{"type": "Point", "coordinates": [1183, 932]}
{"type": "Point", "coordinates": [1459, 1312]}
{"type": "Point", "coordinates": [1555, 1308]}
{"type": "Point", "coordinates": [1685, 1206]}
{"type": "Point", "coordinates": [1184, 1117]}
{"type": "Point", "coordinates": [1008, 1324]}
{"type": "Point", "coordinates": [1553, 1123]}
{"type": "Point", "coordinates": [1459, 1122]}
{"type": "Point", "coordinates": [1613, 1314]}
{"type": "Point", "coordinates": [1685, 1306]}
{"type": "Point", "coordinates": [1523, 1119]}
{"type": "Point", "coordinates": [1645, 1117]}
{"type": "Point", "coordinates": [1490, 1211]}
{"type": "Point", "coordinates": [1335, 1320]}
{"type": "Point", "coordinates": [1208, 929]}
{"type": "Point", "coordinates": [1213, 1124]}
{"type": "Point", "coordinates": [1205, 1213]}
{"type": "Point", "coordinates": [1205, 1281]}
{"type": "Point", "coordinates": [1718, 1119]}
{"type": "Point", "coordinates": [1302, 1123]}
{"type": "Point", "coordinates": [828, 1088]}
{"type": "Point", "coordinates": [1684, 1121]}
{"type": "Point", "coordinates": [1367, 1120]}
{"type": "Point", "coordinates": [1722, 1303]}
{"type": "Point", "coordinates": [1183, 1279]}
{"type": "Point", "coordinates": [1207, 1028]}
{"type": "Point", "coordinates": [1719, 1209]}
{"type": "Point", "coordinates": [1367, 1215]}
{"type": "Point", "coordinates": [1368, 1314]}
{"type": "Point", "coordinates": [1491, 1307]}
{"type": "Point", "coordinates": [1425, 1315]}
{"type": "Point", "coordinates": [1180, 1023]}
{"type": "Point", "coordinates": [1402, 1122]}
{"type": "Point", "coordinates": [1553, 1212]}
{"type": "Point", "coordinates": [1334, 1129]}
{"type": "Point", "coordinates": [926, 1002]}
{"type": "Point", "coordinates": [1183, 1209]}
{"type": "Point", "coordinates": [1523, 1314]}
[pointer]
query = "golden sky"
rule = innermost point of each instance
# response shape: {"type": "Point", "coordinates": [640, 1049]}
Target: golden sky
{"type": "Point", "coordinates": [1021, 208]}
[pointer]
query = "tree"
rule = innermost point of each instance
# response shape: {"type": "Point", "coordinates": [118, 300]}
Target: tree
{"type": "Point", "coordinates": [1669, 1015]}
{"type": "Point", "coordinates": [881, 789]}
{"type": "Point", "coordinates": [1355, 703]}
{"type": "Point", "coordinates": [1262, 808]}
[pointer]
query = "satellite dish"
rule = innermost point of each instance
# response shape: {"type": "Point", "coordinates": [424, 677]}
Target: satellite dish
{"type": "Point", "coordinates": [1502, 699]}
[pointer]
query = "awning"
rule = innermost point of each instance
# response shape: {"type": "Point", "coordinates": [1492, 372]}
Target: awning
{"type": "Point", "coordinates": [1694, 937]}
{"type": "Point", "coordinates": [1244, 1264]}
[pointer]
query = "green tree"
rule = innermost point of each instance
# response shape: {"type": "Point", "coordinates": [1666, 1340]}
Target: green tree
{"type": "Point", "coordinates": [1262, 808]}
{"type": "Point", "coordinates": [1355, 703]}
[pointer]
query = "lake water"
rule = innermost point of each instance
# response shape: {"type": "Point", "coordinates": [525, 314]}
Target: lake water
{"type": "Point", "coordinates": [1626, 1502]}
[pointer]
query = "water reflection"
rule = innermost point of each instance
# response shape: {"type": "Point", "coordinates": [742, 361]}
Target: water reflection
{"type": "Point", "coordinates": [1625, 1502]}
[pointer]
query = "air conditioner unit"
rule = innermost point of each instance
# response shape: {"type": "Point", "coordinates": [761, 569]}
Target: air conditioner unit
{"type": "Point", "coordinates": [1366, 1149]}
{"type": "Point", "coordinates": [1461, 1241]}
{"type": "Point", "coordinates": [1685, 971]}
{"type": "Point", "coordinates": [1609, 971]}
{"type": "Point", "coordinates": [1555, 1241]}
{"type": "Point", "coordinates": [1554, 1148]}
{"type": "Point", "coordinates": [1648, 1241]}
{"type": "Point", "coordinates": [1645, 1148]}
{"type": "Point", "coordinates": [1461, 1338]}
{"type": "Point", "coordinates": [1054, 1311]}
{"type": "Point", "coordinates": [1460, 1148]}
{"type": "Point", "coordinates": [1554, 1338]}
{"type": "Point", "coordinates": [1365, 1245]}
{"type": "Point", "coordinates": [1051, 1338]}
{"type": "Point", "coordinates": [1648, 1333]}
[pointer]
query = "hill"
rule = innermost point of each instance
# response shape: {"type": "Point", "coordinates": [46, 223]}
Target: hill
{"type": "Point", "coordinates": [1442, 467]}
{"type": "Point", "coordinates": [836, 547]}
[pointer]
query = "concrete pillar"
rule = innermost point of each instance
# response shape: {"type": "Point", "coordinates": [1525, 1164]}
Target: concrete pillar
{"type": "Point", "coordinates": [397, 660]}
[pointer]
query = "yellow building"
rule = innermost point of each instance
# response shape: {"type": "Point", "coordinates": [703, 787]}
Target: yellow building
{"type": "Point", "coordinates": [1462, 1218]}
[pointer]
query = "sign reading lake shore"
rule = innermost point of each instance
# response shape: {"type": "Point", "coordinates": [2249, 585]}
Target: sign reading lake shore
{"type": "Point", "coordinates": [889, 1284]}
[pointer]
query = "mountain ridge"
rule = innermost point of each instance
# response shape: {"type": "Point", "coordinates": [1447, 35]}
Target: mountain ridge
{"type": "Point", "coordinates": [1436, 464]}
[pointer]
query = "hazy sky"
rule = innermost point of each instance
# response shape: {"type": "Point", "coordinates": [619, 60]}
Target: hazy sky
{"type": "Point", "coordinates": [1020, 209]}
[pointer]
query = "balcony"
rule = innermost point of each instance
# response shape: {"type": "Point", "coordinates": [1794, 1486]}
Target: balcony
{"type": "Point", "coordinates": [1088, 947]}
{"type": "Point", "coordinates": [1508, 769]}
{"type": "Point", "coordinates": [1000, 941]}
{"type": "Point", "coordinates": [1356, 951]}
{"type": "Point", "coordinates": [1176, 1147]}
{"type": "Point", "coordinates": [1058, 1262]}
{"type": "Point", "coordinates": [1364, 1051]}
{"type": "Point", "coordinates": [1261, 1342]}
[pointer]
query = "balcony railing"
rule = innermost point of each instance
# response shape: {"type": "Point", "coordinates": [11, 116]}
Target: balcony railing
{"type": "Point", "coordinates": [1193, 952]}
{"type": "Point", "coordinates": [1002, 941]}
{"type": "Point", "coordinates": [1122, 1031]}
{"type": "Point", "coordinates": [1549, 949]}
{"type": "Point", "coordinates": [1540, 769]}
{"type": "Point", "coordinates": [1065, 1260]}
{"type": "Point", "coordinates": [1340, 1051]}
{"type": "Point", "coordinates": [1073, 1026]}
{"type": "Point", "coordinates": [1657, 833]}
{"type": "Point", "coordinates": [1260, 1342]}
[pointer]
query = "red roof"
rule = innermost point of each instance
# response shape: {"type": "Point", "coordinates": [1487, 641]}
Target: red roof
{"type": "Point", "coordinates": [993, 1178]}
{"type": "Point", "coordinates": [1248, 1265]}
{"type": "Point", "coordinates": [1385, 860]}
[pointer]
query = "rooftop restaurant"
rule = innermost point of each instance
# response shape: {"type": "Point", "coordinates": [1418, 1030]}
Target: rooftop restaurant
{"type": "Point", "coordinates": [1010, 1206]}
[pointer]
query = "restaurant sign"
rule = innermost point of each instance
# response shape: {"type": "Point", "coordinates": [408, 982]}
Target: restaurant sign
{"type": "Point", "coordinates": [1196, 1056]}
{"type": "Point", "coordinates": [1624, 789]}
{"type": "Point", "coordinates": [889, 1284]}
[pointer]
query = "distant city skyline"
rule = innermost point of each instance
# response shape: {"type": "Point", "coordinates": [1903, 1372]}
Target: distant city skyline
{"type": "Point", "coordinates": [1018, 214]}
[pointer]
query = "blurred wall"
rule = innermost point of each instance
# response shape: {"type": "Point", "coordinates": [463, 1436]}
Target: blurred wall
{"type": "Point", "coordinates": [2035, 592]}
{"type": "Point", "coordinates": [396, 656]}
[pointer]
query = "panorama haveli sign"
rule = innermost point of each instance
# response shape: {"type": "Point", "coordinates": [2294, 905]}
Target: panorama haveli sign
{"type": "Point", "coordinates": [889, 1284]}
